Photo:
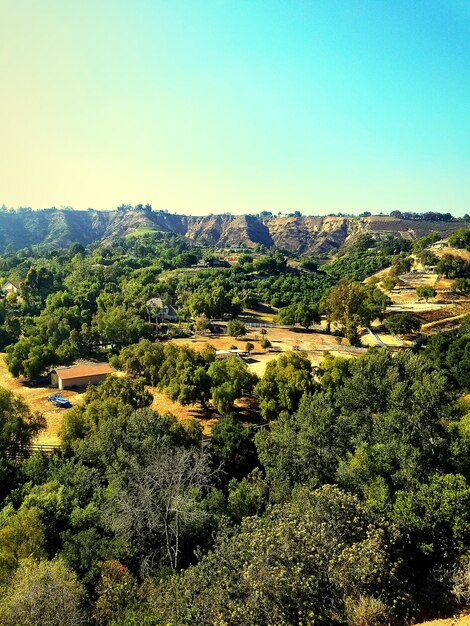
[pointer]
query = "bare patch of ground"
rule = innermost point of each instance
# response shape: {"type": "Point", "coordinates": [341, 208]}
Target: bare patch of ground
{"type": "Point", "coordinates": [245, 409]}
{"type": "Point", "coordinates": [457, 620]}
{"type": "Point", "coordinates": [283, 339]}
{"type": "Point", "coordinates": [163, 404]}
{"type": "Point", "coordinates": [461, 252]}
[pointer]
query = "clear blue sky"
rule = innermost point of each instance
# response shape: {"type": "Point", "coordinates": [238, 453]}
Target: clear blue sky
{"type": "Point", "coordinates": [207, 105]}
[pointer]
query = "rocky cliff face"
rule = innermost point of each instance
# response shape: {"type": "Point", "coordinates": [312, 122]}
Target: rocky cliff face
{"type": "Point", "coordinates": [312, 235]}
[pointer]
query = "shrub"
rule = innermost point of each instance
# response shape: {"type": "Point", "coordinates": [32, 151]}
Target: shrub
{"type": "Point", "coordinates": [235, 328]}
{"type": "Point", "coordinates": [366, 611]}
{"type": "Point", "coordinates": [265, 343]}
{"type": "Point", "coordinates": [461, 584]}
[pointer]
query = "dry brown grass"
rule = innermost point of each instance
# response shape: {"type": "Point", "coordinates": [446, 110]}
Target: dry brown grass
{"type": "Point", "coordinates": [36, 399]}
{"type": "Point", "coordinates": [245, 408]}
{"type": "Point", "coordinates": [163, 404]}
{"type": "Point", "coordinates": [459, 620]}
{"type": "Point", "coordinates": [464, 254]}
{"type": "Point", "coordinates": [312, 343]}
{"type": "Point", "coordinates": [444, 324]}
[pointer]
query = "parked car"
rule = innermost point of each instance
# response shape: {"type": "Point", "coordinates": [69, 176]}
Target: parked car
{"type": "Point", "coordinates": [59, 401]}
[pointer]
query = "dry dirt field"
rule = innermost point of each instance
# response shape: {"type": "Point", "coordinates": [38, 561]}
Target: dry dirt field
{"type": "Point", "coordinates": [163, 404]}
{"type": "Point", "coordinates": [36, 398]}
{"type": "Point", "coordinates": [465, 254]}
{"type": "Point", "coordinates": [388, 340]}
{"type": "Point", "coordinates": [458, 620]}
{"type": "Point", "coordinates": [282, 339]}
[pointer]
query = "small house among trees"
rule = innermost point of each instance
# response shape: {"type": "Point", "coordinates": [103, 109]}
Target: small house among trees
{"type": "Point", "coordinates": [10, 286]}
{"type": "Point", "coordinates": [165, 312]}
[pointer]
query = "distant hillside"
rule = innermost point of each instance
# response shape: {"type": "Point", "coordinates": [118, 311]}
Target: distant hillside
{"type": "Point", "coordinates": [60, 228]}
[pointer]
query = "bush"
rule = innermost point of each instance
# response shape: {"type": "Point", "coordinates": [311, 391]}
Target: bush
{"type": "Point", "coordinates": [366, 611]}
{"type": "Point", "coordinates": [265, 343]}
{"type": "Point", "coordinates": [235, 328]}
{"type": "Point", "coordinates": [461, 584]}
{"type": "Point", "coordinates": [44, 592]}
{"type": "Point", "coordinates": [402, 323]}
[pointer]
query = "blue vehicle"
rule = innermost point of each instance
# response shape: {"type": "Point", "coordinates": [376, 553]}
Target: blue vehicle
{"type": "Point", "coordinates": [59, 401]}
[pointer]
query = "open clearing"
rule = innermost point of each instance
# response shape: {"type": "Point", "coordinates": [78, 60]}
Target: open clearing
{"type": "Point", "coordinates": [283, 339]}
{"type": "Point", "coordinates": [245, 409]}
{"type": "Point", "coordinates": [312, 343]}
{"type": "Point", "coordinates": [461, 252]}
{"type": "Point", "coordinates": [36, 398]}
{"type": "Point", "coordinates": [163, 404]}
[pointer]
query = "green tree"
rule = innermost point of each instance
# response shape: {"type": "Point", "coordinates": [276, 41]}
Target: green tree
{"type": "Point", "coordinates": [18, 427]}
{"type": "Point", "coordinates": [44, 592]}
{"type": "Point", "coordinates": [428, 258]}
{"type": "Point", "coordinates": [129, 391]}
{"type": "Point", "coordinates": [426, 292]}
{"type": "Point", "coordinates": [333, 371]}
{"type": "Point", "coordinates": [453, 266]}
{"type": "Point", "coordinates": [461, 285]}
{"type": "Point", "coordinates": [231, 379]}
{"type": "Point", "coordinates": [353, 305]}
{"type": "Point", "coordinates": [232, 447]}
{"type": "Point", "coordinates": [389, 282]}
{"type": "Point", "coordinates": [284, 382]}
{"type": "Point", "coordinates": [121, 327]}
{"type": "Point", "coordinates": [141, 360]}
{"type": "Point", "coordinates": [436, 516]}
{"type": "Point", "coordinates": [460, 238]}
{"type": "Point", "coordinates": [402, 323]}
{"type": "Point", "coordinates": [236, 328]}
{"type": "Point", "coordinates": [21, 536]}
{"type": "Point", "coordinates": [300, 313]}
{"type": "Point", "coordinates": [247, 496]}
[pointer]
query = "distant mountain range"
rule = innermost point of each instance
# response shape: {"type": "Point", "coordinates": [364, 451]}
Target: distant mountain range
{"type": "Point", "coordinates": [61, 227]}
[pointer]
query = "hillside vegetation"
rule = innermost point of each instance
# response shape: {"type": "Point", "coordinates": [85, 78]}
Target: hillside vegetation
{"type": "Point", "coordinates": [59, 228]}
{"type": "Point", "coordinates": [328, 491]}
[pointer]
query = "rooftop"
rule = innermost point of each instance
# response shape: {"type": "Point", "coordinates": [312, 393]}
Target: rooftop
{"type": "Point", "coordinates": [82, 371]}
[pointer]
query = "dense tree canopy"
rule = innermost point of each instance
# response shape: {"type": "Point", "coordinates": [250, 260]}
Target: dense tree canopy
{"type": "Point", "coordinates": [330, 494]}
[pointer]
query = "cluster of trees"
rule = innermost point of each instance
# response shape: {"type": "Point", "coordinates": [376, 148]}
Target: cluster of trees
{"type": "Point", "coordinates": [422, 243]}
{"type": "Point", "coordinates": [186, 375]}
{"type": "Point", "coordinates": [76, 303]}
{"type": "Point", "coordinates": [123, 208]}
{"type": "Point", "coordinates": [460, 238]}
{"type": "Point", "coordinates": [300, 313]}
{"type": "Point", "coordinates": [449, 351]}
{"type": "Point", "coordinates": [350, 507]}
{"type": "Point", "coordinates": [349, 304]}
{"type": "Point", "coordinates": [92, 302]}
{"type": "Point", "coordinates": [432, 216]}
{"type": "Point", "coordinates": [452, 266]}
